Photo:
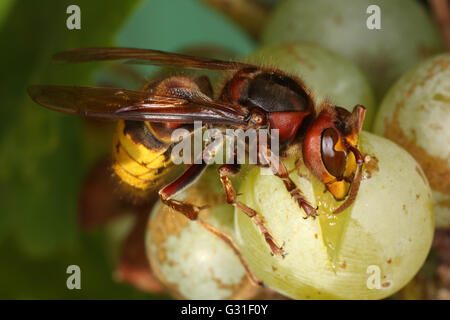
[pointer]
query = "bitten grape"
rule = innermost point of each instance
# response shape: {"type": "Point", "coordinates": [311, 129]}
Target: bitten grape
{"type": "Point", "coordinates": [369, 251]}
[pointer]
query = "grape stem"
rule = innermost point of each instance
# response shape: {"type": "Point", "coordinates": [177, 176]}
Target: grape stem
{"type": "Point", "coordinates": [250, 15]}
{"type": "Point", "coordinates": [441, 13]}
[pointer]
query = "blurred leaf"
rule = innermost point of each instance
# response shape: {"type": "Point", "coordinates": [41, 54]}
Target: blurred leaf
{"type": "Point", "coordinates": [28, 278]}
{"type": "Point", "coordinates": [5, 5]}
{"type": "Point", "coordinates": [177, 24]}
{"type": "Point", "coordinates": [41, 163]}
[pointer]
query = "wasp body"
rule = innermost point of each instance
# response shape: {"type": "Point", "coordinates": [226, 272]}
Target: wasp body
{"type": "Point", "coordinates": [252, 97]}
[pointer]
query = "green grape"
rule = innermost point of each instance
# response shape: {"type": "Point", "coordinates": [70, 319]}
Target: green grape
{"type": "Point", "coordinates": [328, 75]}
{"type": "Point", "coordinates": [189, 260]}
{"type": "Point", "coordinates": [416, 114]}
{"type": "Point", "coordinates": [369, 251]}
{"type": "Point", "coordinates": [407, 33]}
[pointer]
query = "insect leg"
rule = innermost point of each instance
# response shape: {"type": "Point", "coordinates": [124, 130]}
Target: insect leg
{"type": "Point", "coordinates": [185, 180]}
{"type": "Point", "coordinates": [231, 169]}
{"type": "Point", "coordinates": [191, 211]}
{"type": "Point", "coordinates": [188, 178]}
{"type": "Point", "coordinates": [230, 242]}
{"type": "Point", "coordinates": [280, 171]}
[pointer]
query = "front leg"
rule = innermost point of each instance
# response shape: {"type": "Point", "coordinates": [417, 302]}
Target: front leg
{"type": "Point", "coordinates": [269, 158]}
{"type": "Point", "coordinates": [231, 169]}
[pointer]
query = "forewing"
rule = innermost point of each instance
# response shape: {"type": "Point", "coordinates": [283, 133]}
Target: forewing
{"type": "Point", "coordinates": [85, 100]}
{"type": "Point", "coordinates": [113, 103]}
{"type": "Point", "coordinates": [146, 56]}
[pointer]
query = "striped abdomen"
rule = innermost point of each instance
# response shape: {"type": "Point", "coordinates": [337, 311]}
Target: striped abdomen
{"type": "Point", "coordinates": [140, 158]}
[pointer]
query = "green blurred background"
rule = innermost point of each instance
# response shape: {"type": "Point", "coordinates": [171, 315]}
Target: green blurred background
{"type": "Point", "coordinates": [45, 155]}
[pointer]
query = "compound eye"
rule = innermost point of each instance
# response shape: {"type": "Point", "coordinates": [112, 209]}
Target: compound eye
{"type": "Point", "coordinates": [334, 160]}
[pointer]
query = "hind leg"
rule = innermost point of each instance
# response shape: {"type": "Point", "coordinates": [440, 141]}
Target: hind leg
{"type": "Point", "coordinates": [185, 180]}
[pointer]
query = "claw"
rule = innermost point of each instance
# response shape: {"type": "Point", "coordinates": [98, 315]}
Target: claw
{"type": "Point", "coordinates": [284, 252]}
{"type": "Point", "coordinates": [309, 210]}
{"type": "Point", "coordinates": [276, 250]}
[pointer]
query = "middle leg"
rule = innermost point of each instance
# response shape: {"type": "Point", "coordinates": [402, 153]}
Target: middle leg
{"type": "Point", "coordinates": [225, 171]}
